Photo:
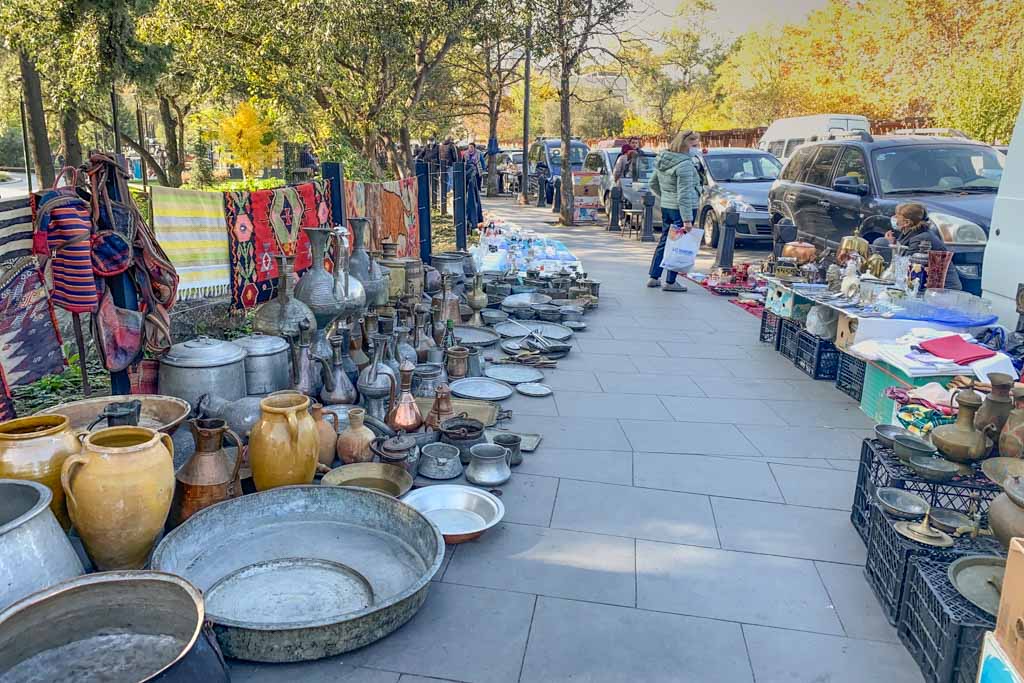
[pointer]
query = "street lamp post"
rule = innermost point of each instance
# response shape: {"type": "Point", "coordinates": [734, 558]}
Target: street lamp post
{"type": "Point", "coordinates": [524, 188]}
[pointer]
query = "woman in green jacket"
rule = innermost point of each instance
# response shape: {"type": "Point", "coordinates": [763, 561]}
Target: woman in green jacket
{"type": "Point", "coordinates": [677, 184]}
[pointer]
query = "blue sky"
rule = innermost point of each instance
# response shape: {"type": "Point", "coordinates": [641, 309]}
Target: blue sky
{"type": "Point", "coordinates": [732, 17]}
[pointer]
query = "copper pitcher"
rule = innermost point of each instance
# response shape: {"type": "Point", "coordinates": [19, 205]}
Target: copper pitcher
{"type": "Point", "coordinates": [405, 414]}
{"type": "Point", "coordinates": [458, 362]}
{"type": "Point", "coordinates": [442, 409]}
{"type": "Point", "coordinates": [208, 477]}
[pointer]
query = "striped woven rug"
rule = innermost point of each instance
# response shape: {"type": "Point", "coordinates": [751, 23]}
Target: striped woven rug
{"type": "Point", "coordinates": [15, 229]}
{"type": "Point", "coordinates": [190, 227]}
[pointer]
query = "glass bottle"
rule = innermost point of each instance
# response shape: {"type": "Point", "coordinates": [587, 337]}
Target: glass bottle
{"type": "Point", "coordinates": [449, 336]}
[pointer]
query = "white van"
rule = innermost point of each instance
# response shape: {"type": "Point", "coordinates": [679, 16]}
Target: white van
{"type": "Point", "coordinates": [1004, 253]}
{"type": "Point", "coordinates": [785, 135]}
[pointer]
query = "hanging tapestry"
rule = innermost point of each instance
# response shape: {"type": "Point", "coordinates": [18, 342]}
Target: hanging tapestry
{"type": "Point", "coordinates": [30, 344]}
{"type": "Point", "coordinates": [15, 229]}
{"type": "Point", "coordinates": [264, 223]}
{"type": "Point", "coordinates": [7, 411]}
{"type": "Point", "coordinates": [392, 210]}
{"type": "Point", "coordinates": [190, 227]}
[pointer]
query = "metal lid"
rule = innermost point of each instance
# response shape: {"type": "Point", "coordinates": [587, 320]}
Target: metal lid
{"type": "Point", "coordinates": [259, 344]}
{"type": "Point", "coordinates": [398, 444]}
{"type": "Point", "coordinates": [203, 352]}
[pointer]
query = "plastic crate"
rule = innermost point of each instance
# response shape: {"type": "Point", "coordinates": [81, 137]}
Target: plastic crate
{"type": "Point", "coordinates": [878, 377]}
{"type": "Point", "coordinates": [789, 336]}
{"type": "Point", "coordinates": [864, 491]}
{"type": "Point", "coordinates": [850, 375]}
{"type": "Point", "coordinates": [889, 555]}
{"type": "Point", "coordinates": [816, 356]}
{"type": "Point", "coordinates": [941, 630]}
{"type": "Point", "coordinates": [770, 324]}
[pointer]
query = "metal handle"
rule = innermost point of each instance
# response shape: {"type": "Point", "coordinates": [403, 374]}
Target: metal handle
{"type": "Point", "coordinates": [66, 474]}
{"type": "Point", "coordinates": [508, 457]}
{"type": "Point", "coordinates": [238, 460]}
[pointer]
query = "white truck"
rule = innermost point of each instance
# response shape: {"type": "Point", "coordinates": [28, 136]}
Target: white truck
{"type": "Point", "coordinates": [785, 135]}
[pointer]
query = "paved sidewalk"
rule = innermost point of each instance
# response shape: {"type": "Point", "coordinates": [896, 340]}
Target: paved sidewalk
{"type": "Point", "coordinates": [686, 517]}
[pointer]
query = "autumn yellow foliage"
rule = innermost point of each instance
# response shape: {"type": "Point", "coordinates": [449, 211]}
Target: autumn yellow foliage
{"type": "Point", "coordinates": [249, 138]}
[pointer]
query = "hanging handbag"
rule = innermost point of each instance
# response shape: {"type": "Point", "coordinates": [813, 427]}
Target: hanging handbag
{"type": "Point", "coordinates": [119, 333]}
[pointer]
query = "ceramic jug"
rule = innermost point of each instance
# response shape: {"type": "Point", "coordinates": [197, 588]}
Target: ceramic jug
{"type": "Point", "coordinates": [1006, 511]}
{"type": "Point", "coordinates": [960, 441]}
{"type": "Point", "coordinates": [328, 433]}
{"type": "Point", "coordinates": [343, 391]}
{"type": "Point", "coordinates": [119, 490]}
{"type": "Point", "coordinates": [377, 384]}
{"type": "Point", "coordinates": [405, 414]}
{"type": "Point", "coordinates": [35, 448]}
{"type": "Point", "coordinates": [209, 476]}
{"type": "Point", "coordinates": [282, 315]}
{"type": "Point", "coordinates": [284, 444]}
{"type": "Point", "coordinates": [996, 407]}
{"type": "Point", "coordinates": [354, 442]}
{"type": "Point", "coordinates": [1011, 439]}
{"type": "Point", "coordinates": [489, 465]}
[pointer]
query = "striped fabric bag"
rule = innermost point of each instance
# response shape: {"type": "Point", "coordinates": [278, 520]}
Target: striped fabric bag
{"type": "Point", "coordinates": [63, 231]}
{"type": "Point", "coordinates": [189, 225]}
{"type": "Point", "coordinates": [15, 229]}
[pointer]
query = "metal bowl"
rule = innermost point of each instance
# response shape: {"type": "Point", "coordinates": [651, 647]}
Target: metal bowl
{"type": "Point", "coordinates": [461, 512]}
{"type": "Point", "coordinates": [933, 469]}
{"type": "Point", "coordinates": [388, 479]}
{"type": "Point", "coordinates": [468, 335]}
{"type": "Point", "coordinates": [526, 299]}
{"type": "Point", "coordinates": [885, 433]}
{"type": "Point", "coordinates": [162, 413]}
{"type": "Point", "coordinates": [570, 312]}
{"type": "Point", "coordinates": [907, 445]}
{"type": "Point", "coordinates": [901, 504]}
{"type": "Point", "coordinates": [518, 312]}
{"type": "Point", "coordinates": [998, 469]}
{"type": "Point", "coordinates": [949, 520]}
{"type": "Point", "coordinates": [979, 578]}
{"type": "Point", "coordinates": [111, 626]}
{"type": "Point", "coordinates": [493, 316]}
{"type": "Point", "coordinates": [306, 555]}
{"type": "Point", "coordinates": [547, 312]}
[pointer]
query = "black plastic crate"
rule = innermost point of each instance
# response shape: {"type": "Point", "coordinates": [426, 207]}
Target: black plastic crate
{"type": "Point", "coordinates": [850, 375]}
{"type": "Point", "coordinates": [941, 630]}
{"type": "Point", "coordinates": [879, 466]}
{"type": "Point", "coordinates": [889, 555]}
{"type": "Point", "coordinates": [789, 336]}
{"type": "Point", "coordinates": [770, 324]}
{"type": "Point", "coordinates": [816, 356]}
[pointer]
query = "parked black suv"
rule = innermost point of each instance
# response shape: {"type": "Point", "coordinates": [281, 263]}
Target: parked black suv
{"type": "Point", "coordinates": [830, 187]}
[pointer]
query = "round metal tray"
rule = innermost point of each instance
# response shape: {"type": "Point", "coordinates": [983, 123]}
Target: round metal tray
{"type": "Point", "coordinates": [527, 299]}
{"type": "Point", "coordinates": [514, 374]}
{"type": "Point", "coordinates": [395, 548]}
{"type": "Point", "coordinates": [162, 413]}
{"type": "Point", "coordinates": [550, 331]}
{"type": "Point", "coordinates": [475, 336]}
{"type": "Point", "coordinates": [979, 578]}
{"type": "Point", "coordinates": [481, 389]}
{"type": "Point", "coordinates": [461, 512]}
{"type": "Point", "coordinates": [534, 390]}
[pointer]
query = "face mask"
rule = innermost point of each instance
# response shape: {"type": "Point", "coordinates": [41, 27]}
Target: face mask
{"type": "Point", "coordinates": [895, 224]}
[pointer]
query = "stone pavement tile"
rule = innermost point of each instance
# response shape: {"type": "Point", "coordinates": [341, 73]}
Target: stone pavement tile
{"type": "Point", "coordinates": [628, 331]}
{"type": "Point", "coordinates": [634, 512]}
{"type": "Point", "coordinates": [695, 367]}
{"type": "Point", "coordinates": [528, 498]}
{"type": "Point", "coordinates": [729, 410]}
{"type": "Point", "coordinates": [815, 413]}
{"type": "Point", "coordinates": [806, 442]}
{"type": "Point", "coordinates": [331, 670]}
{"type": "Point", "coordinates": [610, 406]}
{"type": "Point", "coordinates": [553, 562]}
{"type": "Point", "coordinates": [671, 319]}
{"type": "Point", "coordinates": [723, 584]}
{"type": "Point", "coordinates": [421, 679]}
{"type": "Point", "coordinates": [434, 642]}
{"type": "Point", "coordinates": [819, 390]}
{"type": "Point", "coordinates": [560, 379]}
{"type": "Point", "coordinates": [449, 550]}
{"type": "Point", "coordinates": [730, 387]}
{"type": "Point", "coordinates": [748, 341]}
{"type": "Point", "coordinates": [802, 462]}
{"type": "Point", "coordinates": [615, 382]}
{"type": "Point", "coordinates": [610, 467]}
{"type": "Point", "coordinates": [704, 474]}
{"type": "Point", "coordinates": [787, 530]}
{"type": "Point", "coordinates": [579, 642]}
{"type": "Point", "coordinates": [531, 405]}
{"type": "Point", "coordinates": [766, 369]}
{"type": "Point", "coordinates": [855, 602]}
{"type": "Point", "coordinates": [589, 362]}
{"type": "Point", "coordinates": [816, 487]}
{"type": "Point", "coordinates": [572, 432]}
{"type": "Point", "coordinates": [848, 465]}
{"type": "Point", "coordinates": [782, 656]}
{"type": "Point", "coordinates": [596, 328]}
{"type": "Point", "coordinates": [684, 349]}
{"type": "Point", "coordinates": [616, 347]}
{"type": "Point", "coordinates": [708, 438]}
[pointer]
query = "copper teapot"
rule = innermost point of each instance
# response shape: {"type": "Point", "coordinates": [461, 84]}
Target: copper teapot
{"type": "Point", "coordinates": [405, 414]}
{"type": "Point", "coordinates": [803, 252]}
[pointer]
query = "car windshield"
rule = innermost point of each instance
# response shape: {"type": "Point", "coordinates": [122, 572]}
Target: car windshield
{"type": "Point", "coordinates": [742, 168]}
{"type": "Point", "coordinates": [517, 158]}
{"type": "Point", "coordinates": [938, 169]}
{"type": "Point", "coordinates": [576, 155]}
{"type": "Point", "coordinates": [645, 166]}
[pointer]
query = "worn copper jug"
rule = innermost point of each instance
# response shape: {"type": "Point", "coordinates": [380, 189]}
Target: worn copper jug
{"type": "Point", "coordinates": [441, 409]}
{"type": "Point", "coordinates": [423, 337]}
{"type": "Point", "coordinates": [1011, 439]}
{"type": "Point", "coordinates": [960, 441]}
{"type": "Point", "coordinates": [405, 414]}
{"type": "Point", "coordinates": [208, 477]}
{"type": "Point", "coordinates": [992, 415]}
{"type": "Point", "coordinates": [448, 303]}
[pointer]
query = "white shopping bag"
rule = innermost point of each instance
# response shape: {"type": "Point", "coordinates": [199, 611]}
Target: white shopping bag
{"type": "Point", "coordinates": [681, 249]}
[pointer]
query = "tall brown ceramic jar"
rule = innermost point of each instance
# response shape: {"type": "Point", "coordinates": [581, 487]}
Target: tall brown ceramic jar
{"type": "Point", "coordinates": [284, 443]}
{"type": "Point", "coordinates": [209, 476]}
{"type": "Point", "coordinates": [119, 491]}
{"type": "Point", "coordinates": [327, 426]}
{"type": "Point", "coordinates": [354, 442]}
{"type": "Point", "coordinates": [35, 448]}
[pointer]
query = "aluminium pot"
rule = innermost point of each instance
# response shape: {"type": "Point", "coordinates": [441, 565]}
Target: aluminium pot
{"type": "Point", "coordinates": [35, 553]}
{"type": "Point", "coordinates": [203, 366]}
{"type": "Point", "coordinates": [268, 363]}
{"type": "Point", "coordinates": [112, 626]}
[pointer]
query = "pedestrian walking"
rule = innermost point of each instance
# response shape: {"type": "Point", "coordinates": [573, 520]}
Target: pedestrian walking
{"type": "Point", "coordinates": [913, 229]}
{"type": "Point", "coordinates": [449, 154]}
{"type": "Point", "coordinates": [474, 209]}
{"type": "Point", "coordinates": [677, 184]}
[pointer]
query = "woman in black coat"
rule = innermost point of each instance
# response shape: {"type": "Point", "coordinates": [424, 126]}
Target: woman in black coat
{"type": "Point", "coordinates": [917, 234]}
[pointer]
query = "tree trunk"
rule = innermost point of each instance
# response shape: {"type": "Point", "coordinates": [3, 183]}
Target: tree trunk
{"type": "Point", "coordinates": [170, 125]}
{"type": "Point", "coordinates": [393, 156]}
{"type": "Point", "coordinates": [566, 130]}
{"type": "Point", "coordinates": [69, 138]}
{"type": "Point", "coordinates": [39, 141]}
{"type": "Point", "coordinates": [405, 150]}
{"type": "Point", "coordinates": [493, 112]}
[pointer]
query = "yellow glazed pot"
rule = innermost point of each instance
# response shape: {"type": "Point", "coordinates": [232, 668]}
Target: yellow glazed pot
{"type": "Point", "coordinates": [119, 491]}
{"type": "Point", "coordinates": [34, 448]}
{"type": "Point", "coordinates": [284, 443]}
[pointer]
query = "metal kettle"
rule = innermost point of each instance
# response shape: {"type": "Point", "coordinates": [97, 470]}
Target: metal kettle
{"type": "Point", "coordinates": [852, 244]}
{"type": "Point", "coordinates": [311, 372]}
{"type": "Point", "coordinates": [208, 477]}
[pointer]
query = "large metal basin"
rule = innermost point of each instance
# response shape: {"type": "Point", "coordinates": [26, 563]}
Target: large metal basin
{"type": "Point", "coordinates": [267, 554]}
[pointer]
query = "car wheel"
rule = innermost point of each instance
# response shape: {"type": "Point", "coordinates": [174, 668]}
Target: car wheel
{"type": "Point", "coordinates": [709, 224]}
{"type": "Point", "coordinates": [607, 204]}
